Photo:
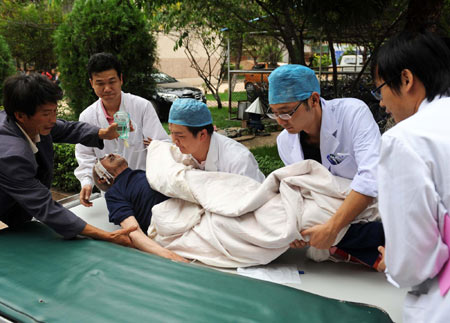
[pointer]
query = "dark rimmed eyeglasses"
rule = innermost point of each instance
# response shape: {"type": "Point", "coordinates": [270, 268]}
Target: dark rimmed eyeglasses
{"type": "Point", "coordinates": [377, 92]}
{"type": "Point", "coordinates": [284, 116]}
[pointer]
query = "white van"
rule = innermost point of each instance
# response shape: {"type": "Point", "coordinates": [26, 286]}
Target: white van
{"type": "Point", "coordinates": [349, 64]}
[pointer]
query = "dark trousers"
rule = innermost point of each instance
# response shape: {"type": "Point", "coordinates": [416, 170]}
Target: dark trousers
{"type": "Point", "coordinates": [362, 241]}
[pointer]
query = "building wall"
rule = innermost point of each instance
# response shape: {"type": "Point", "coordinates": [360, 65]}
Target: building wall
{"type": "Point", "coordinates": [175, 62]}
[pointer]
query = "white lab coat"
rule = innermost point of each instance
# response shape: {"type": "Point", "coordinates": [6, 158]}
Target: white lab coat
{"type": "Point", "coordinates": [347, 128]}
{"type": "Point", "coordinates": [146, 124]}
{"type": "Point", "coordinates": [414, 195]}
{"type": "Point", "coordinates": [229, 156]}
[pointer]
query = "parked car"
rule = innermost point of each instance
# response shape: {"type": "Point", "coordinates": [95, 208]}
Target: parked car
{"type": "Point", "coordinates": [348, 63]}
{"type": "Point", "coordinates": [168, 89]}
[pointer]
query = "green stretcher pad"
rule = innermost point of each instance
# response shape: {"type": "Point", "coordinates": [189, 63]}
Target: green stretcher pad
{"type": "Point", "coordinates": [44, 278]}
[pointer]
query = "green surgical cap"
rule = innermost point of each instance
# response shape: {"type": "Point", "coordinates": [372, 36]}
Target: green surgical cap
{"type": "Point", "coordinates": [190, 113]}
{"type": "Point", "coordinates": [291, 83]}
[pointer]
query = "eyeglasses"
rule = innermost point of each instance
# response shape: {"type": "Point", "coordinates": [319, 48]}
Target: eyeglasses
{"type": "Point", "coordinates": [377, 92]}
{"type": "Point", "coordinates": [284, 116]}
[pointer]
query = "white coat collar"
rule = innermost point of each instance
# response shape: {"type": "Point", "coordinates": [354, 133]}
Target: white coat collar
{"type": "Point", "coordinates": [425, 103]}
{"type": "Point", "coordinates": [328, 129]}
{"type": "Point", "coordinates": [212, 159]}
{"type": "Point", "coordinates": [101, 115]}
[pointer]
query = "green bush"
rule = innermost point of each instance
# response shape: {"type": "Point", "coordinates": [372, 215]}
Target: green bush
{"type": "Point", "coordinates": [115, 26]}
{"type": "Point", "coordinates": [6, 64]}
{"type": "Point", "coordinates": [65, 164]}
{"type": "Point", "coordinates": [325, 61]}
{"type": "Point", "coordinates": [267, 158]}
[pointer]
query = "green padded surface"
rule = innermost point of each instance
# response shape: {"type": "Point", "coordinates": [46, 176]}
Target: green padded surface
{"type": "Point", "coordinates": [44, 278]}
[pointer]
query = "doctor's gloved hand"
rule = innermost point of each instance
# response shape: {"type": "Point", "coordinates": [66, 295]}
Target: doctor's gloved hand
{"type": "Point", "coordinates": [85, 195]}
{"type": "Point", "coordinates": [321, 236]}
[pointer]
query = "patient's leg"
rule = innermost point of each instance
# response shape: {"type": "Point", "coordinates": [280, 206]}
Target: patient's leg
{"type": "Point", "coordinates": [142, 242]}
{"type": "Point", "coordinates": [362, 241]}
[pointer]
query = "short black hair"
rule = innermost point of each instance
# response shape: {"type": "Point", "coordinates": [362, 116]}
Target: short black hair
{"type": "Point", "coordinates": [423, 53]}
{"type": "Point", "coordinates": [24, 93]}
{"type": "Point", "coordinates": [101, 62]}
{"type": "Point", "coordinates": [195, 130]}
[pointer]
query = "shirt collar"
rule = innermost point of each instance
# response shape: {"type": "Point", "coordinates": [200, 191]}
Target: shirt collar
{"type": "Point", "coordinates": [425, 102]}
{"type": "Point", "coordinates": [328, 123]}
{"type": "Point", "coordinates": [109, 118]}
{"type": "Point", "coordinates": [197, 164]}
{"type": "Point", "coordinates": [32, 143]}
{"type": "Point", "coordinates": [212, 158]}
{"type": "Point", "coordinates": [122, 174]}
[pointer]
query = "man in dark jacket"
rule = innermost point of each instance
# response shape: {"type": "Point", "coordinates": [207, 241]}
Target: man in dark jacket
{"type": "Point", "coordinates": [28, 128]}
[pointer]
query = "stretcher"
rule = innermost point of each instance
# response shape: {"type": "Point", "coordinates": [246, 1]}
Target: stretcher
{"type": "Point", "coordinates": [44, 278]}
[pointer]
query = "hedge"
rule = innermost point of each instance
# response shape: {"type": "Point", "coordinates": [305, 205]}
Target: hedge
{"type": "Point", "coordinates": [64, 166]}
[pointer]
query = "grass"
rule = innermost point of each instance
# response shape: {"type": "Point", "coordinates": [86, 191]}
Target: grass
{"type": "Point", "coordinates": [267, 158]}
{"type": "Point", "coordinates": [221, 118]}
{"type": "Point", "coordinates": [270, 151]}
{"type": "Point", "coordinates": [235, 96]}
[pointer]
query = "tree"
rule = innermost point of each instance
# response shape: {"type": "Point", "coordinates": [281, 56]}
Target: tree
{"type": "Point", "coordinates": [212, 70]}
{"type": "Point", "coordinates": [191, 24]}
{"type": "Point", "coordinates": [6, 64]}
{"type": "Point", "coordinates": [423, 15]}
{"type": "Point", "coordinates": [115, 26]}
{"type": "Point", "coordinates": [28, 28]}
{"type": "Point", "coordinates": [263, 48]}
{"type": "Point", "coordinates": [362, 23]}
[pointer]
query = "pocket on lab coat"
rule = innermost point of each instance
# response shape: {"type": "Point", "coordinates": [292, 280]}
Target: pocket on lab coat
{"type": "Point", "coordinates": [346, 168]}
{"type": "Point", "coordinates": [135, 138]}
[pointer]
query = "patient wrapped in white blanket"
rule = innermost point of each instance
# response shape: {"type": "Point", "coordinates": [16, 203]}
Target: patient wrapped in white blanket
{"type": "Point", "coordinates": [229, 220]}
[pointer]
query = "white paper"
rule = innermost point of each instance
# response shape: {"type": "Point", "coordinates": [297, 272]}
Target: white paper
{"type": "Point", "coordinates": [276, 273]}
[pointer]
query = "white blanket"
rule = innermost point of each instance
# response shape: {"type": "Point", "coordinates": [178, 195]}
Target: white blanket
{"type": "Point", "coordinates": [229, 220]}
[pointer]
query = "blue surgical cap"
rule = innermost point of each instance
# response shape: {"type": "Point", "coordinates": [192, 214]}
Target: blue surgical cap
{"type": "Point", "coordinates": [189, 113]}
{"type": "Point", "coordinates": [291, 83]}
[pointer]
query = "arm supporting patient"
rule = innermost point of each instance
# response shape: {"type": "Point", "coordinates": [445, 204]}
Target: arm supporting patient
{"type": "Point", "coordinates": [322, 236]}
{"type": "Point", "coordinates": [119, 236]}
{"type": "Point", "coordinates": [142, 242]}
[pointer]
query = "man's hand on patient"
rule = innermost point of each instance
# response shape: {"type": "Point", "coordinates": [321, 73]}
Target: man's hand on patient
{"type": "Point", "coordinates": [119, 236]}
{"type": "Point", "coordinates": [122, 237]}
{"type": "Point", "coordinates": [321, 236]}
{"type": "Point", "coordinates": [85, 195]}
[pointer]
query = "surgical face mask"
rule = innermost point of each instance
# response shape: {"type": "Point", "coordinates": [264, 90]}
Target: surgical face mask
{"type": "Point", "coordinates": [102, 173]}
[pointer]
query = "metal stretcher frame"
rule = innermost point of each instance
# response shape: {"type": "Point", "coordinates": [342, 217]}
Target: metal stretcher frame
{"type": "Point", "coordinates": [44, 278]}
